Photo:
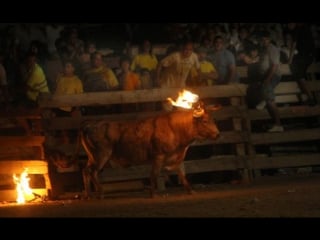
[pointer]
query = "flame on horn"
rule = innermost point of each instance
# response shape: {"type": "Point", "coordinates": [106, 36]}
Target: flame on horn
{"type": "Point", "coordinates": [185, 99]}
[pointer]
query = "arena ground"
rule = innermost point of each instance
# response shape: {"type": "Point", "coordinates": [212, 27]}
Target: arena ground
{"type": "Point", "coordinates": [280, 196]}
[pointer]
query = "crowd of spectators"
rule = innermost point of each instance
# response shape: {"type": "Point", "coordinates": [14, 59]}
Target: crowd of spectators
{"type": "Point", "coordinates": [200, 55]}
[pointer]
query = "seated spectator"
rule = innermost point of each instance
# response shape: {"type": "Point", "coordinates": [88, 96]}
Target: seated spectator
{"type": "Point", "coordinates": [147, 82]}
{"type": "Point", "coordinates": [73, 40]}
{"type": "Point", "coordinates": [208, 73]}
{"type": "Point", "coordinates": [145, 59]}
{"type": "Point", "coordinates": [84, 57]}
{"type": "Point", "coordinates": [146, 79]}
{"type": "Point", "coordinates": [244, 40]}
{"type": "Point", "coordinates": [287, 51]}
{"type": "Point", "coordinates": [52, 68]}
{"type": "Point", "coordinates": [224, 62]}
{"type": "Point", "coordinates": [99, 77]}
{"type": "Point", "coordinates": [35, 80]}
{"type": "Point", "coordinates": [39, 50]}
{"type": "Point", "coordinates": [128, 79]}
{"type": "Point", "coordinates": [68, 83]}
{"type": "Point", "coordinates": [35, 83]}
{"type": "Point", "coordinates": [52, 31]}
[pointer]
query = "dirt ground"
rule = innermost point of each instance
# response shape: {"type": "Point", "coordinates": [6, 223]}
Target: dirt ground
{"type": "Point", "coordinates": [270, 196]}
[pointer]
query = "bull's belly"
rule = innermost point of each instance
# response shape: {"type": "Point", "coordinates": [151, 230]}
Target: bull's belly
{"type": "Point", "coordinates": [169, 161]}
{"type": "Point", "coordinates": [173, 161]}
{"type": "Point", "coordinates": [127, 160]}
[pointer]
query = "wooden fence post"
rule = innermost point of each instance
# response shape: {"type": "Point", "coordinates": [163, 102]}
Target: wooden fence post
{"type": "Point", "coordinates": [240, 147]}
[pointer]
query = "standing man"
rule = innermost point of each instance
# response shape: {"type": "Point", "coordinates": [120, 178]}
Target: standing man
{"type": "Point", "coordinates": [224, 61]}
{"type": "Point", "coordinates": [303, 42]}
{"type": "Point", "coordinates": [178, 66]}
{"type": "Point", "coordinates": [271, 76]}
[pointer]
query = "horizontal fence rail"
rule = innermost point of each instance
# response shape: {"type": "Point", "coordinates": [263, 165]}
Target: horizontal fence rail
{"type": "Point", "coordinates": [240, 136]}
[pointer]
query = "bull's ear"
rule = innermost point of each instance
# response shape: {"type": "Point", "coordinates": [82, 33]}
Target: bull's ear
{"type": "Point", "coordinates": [214, 107]}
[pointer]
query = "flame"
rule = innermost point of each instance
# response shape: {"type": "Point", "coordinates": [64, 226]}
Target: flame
{"type": "Point", "coordinates": [185, 99]}
{"type": "Point", "coordinates": [23, 188]}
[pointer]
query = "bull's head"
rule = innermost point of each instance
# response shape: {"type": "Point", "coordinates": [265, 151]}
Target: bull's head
{"type": "Point", "coordinates": [206, 127]}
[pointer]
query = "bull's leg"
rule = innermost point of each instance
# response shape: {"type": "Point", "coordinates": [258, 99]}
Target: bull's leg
{"type": "Point", "coordinates": [86, 181]}
{"type": "Point", "coordinates": [102, 158]}
{"type": "Point", "coordinates": [184, 180]}
{"type": "Point", "coordinates": [178, 168]}
{"type": "Point", "coordinates": [153, 180]}
{"type": "Point", "coordinates": [96, 183]}
{"type": "Point", "coordinates": [90, 175]}
{"type": "Point", "coordinates": [155, 171]}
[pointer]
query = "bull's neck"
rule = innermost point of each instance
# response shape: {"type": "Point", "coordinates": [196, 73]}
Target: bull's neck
{"type": "Point", "coordinates": [183, 124]}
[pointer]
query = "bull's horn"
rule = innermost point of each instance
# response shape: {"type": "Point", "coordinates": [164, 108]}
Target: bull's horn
{"type": "Point", "coordinates": [214, 107]}
{"type": "Point", "coordinates": [198, 112]}
{"type": "Point", "coordinates": [167, 105]}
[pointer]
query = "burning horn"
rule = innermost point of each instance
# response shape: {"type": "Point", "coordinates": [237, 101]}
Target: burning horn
{"type": "Point", "coordinates": [198, 112]}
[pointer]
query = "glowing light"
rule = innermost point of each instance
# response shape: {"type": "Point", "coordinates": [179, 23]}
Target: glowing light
{"type": "Point", "coordinates": [22, 186]}
{"type": "Point", "coordinates": [185, 99]}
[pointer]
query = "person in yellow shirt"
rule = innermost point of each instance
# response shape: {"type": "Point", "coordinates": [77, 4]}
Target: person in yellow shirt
{"type": "Point", "coordinates": [145, 58]}
{"type": "Point", "coordinates": [145, 61]}
{"type": "Point", "coordinates": [208, 73]}
{"type": "Point", "coordinates": [35, 79]}
{"type": "Point", "coordinates": [68, 83]}
{"type": "Point", "coordinates": [35, 82]}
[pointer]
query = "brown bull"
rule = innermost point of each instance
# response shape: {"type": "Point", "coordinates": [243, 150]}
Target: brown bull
{"type": "Point", "coordinates": [162, 141]}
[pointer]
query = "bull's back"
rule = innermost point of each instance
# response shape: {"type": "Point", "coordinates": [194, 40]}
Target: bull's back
{"type": "Point", "coordinates": [135, 143]}
{"type": "Point", "coordinates": [141, 141]}
{"type": "Point", "coordinates": [138, 142]}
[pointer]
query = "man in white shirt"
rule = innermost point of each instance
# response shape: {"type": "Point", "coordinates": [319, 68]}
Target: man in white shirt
{"type": "Point", "coordinates": [177, 67]}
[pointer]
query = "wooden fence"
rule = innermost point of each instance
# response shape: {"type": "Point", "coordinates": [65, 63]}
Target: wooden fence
{"type": "Point", "coordinates": [245, 141]}
{"type": "Point", "coordinates": [242, 136]}
{"type": "Point", "coordinates": [16, 164]}
{"type": "Point", "coordinates": [19, 151]}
